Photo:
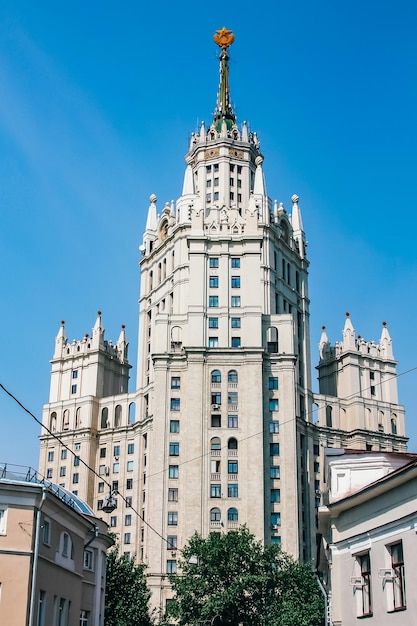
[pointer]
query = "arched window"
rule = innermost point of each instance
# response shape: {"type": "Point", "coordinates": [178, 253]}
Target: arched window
{"type": "Point", "coordinates": [104, 417]}
{"type": "Point", "coordinates": [394, 424]}
{"type": "Point", "coordinates": [52, 422]}
{"type": "Point", "coordinates": [232, 376]}
{"type": "Point", "coordinates": [215, 443]}
{"type": "Point", "coordinates": [216, 377]}
{"type": "Point", "coordinates": [132, 412]}
{"type": "Point", "coordinates": [329, 419]}
{"type": "Point", "coordinates": [117, 416]}
{"type": "Point", "coordinates": [78, 417]}
{"type": "Point", "coordinates": [65, 420]}
{"type": "Point", "coordinates": [232, 444]}
{"type": "Point", "coordinates": [215, 515]}
{"type": "Point", "coordinates": [272, 339]}
{"type": "Point", "coordinates": [232, 515]}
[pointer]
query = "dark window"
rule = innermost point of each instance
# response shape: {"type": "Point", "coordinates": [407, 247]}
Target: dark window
{"type": "Point", "coordinates": [235, 322]}
{"type": "Point", "coordinates": [235, 282]}
{"type": "Point", "coordinates": [174, 426]}
{"type": "Point", "coordinates": [175, 404]}
{"type": "Point", "coordinates": [214, 281]}
{"type": "Point", "coordinates": [232, 467]}
{"type": "Point", "coordinates": [235, 262]}
{"type": "Point", "coordinates": [175, 382]}
{"type": "Point", "coordinates": [273, 382]}
{"type": "Point", "coordinates": [274, 449]}
{"type": "Point", "coordinates": [174, 448]}
{"type": "Point", "coordinates": [213, 301]}
{"type": "Point", "coordinates": [214, 262]}
{"type": "Point", "coordinates": [235, 342]}
{"type": "Point", "coordinates": [397, 564]}
{"type": "Point", "coordinates": [213, 322]}
{"type": "Point", "coordinates": [365, 565]}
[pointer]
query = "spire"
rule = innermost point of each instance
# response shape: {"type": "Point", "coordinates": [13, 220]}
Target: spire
{"type": "Point", "coordinates": [324, 345]}
{"type": "Point", "coordinates": [122, 344]}
{"type": "Point", "coordinates": [348, 333]}
{"type": "Point", "coordinates": [188, 186]}
{"type": "Point", "coordinates": [60, 340]}
{"type": "Point", "coordinates": [151, 220]}
{"type": "Point", "coordinates": [386, 343]}
{"type": "Point", "coordinates": [297, 225]}
{"type": "Point", "coordinates": [224, 38]}
{"type": "Point", "coordinates": [98, 332]}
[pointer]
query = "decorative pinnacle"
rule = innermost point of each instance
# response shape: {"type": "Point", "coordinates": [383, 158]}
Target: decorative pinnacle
{"type": "Point", "coordinates": [224, 38]}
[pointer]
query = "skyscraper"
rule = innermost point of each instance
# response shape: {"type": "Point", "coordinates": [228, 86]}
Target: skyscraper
{"type": "Point", "coordinates": [223, 428]}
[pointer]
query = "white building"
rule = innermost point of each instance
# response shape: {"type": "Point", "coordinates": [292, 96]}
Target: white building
{"type": "Point", "coordinates": [369, 536]}
{"type": "Point", "coordinates": [221, 428]}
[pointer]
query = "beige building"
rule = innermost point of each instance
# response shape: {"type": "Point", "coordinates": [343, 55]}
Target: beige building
{"type": "Point", "coordinates": [221, 429]}
{"type": "Point", "coordinates": [369, 537]}
{"type": "Point", "coordinates": [52, 555]}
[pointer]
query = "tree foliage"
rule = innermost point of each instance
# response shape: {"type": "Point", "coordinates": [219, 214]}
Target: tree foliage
{"type": "Point", "coordinates": [231, 579]}
{"type": "Point", "coordinates": [127, 594]}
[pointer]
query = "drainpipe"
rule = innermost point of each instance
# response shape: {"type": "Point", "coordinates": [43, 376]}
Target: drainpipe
{"type": "Point", "coordinates": [35, 560]}
{"type": "Point", "coordinates": [326, 601]}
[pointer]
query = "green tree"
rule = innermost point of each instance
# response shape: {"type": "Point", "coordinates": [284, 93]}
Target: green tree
{"type": "Point", "coordinates": [230, 579]}
{"type": "Point", "coordinates": [127, 594]}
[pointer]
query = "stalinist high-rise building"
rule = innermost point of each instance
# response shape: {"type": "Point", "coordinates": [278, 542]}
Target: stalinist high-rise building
{"type": "Point", "coordinates": [223, 428]}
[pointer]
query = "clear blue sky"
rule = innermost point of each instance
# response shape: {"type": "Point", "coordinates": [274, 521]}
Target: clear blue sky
{"type": "Point", "coordinates": [97, 100]}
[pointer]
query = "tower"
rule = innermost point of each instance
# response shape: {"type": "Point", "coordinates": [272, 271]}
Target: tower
{"type": "Point", "coordinates": [224, 431]}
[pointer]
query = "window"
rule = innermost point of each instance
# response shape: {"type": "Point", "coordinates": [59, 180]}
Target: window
{"type": "Point", "coordinates": [231, 195]}
{"type": "Point", "coordinates": [102, 453]}
{"type": "Point", "coordinates": [235, 342]}
{"type": "Point", "coordinates": [75, 374]}
{"type": "Point", "coordinates": [235, 322]}
{"type": "Point", "coordinates": [171, 566]}
{"type": "Point", "coordinates": [129, 466]}
{"type": "Point", "coordinates": [215, 443]}
{"type": "Point", "coordinates": [216, 182]}
{"type": "Point", "coordinates": [275, 519]}
{"type": "Point", "coordinates": [173, 494]}
{"type": "Point", "coordinates": [232, 421]}
{"type": "Point", "coordinates": [316, 449]}
{"type": "Point", "coordinates": [208, 197]}
{"type": "Point", "coordinates": [215, 515]}
{"type": "Point", "coordinates": [232, 490]}
{"type": "Point", "coordinates": [216, 377]}
{"type": "Point", "coordinates": [273, 404]}
{"type": "Point", "coordinates": [77, 447]}
{"type": "Point", "coordinates": [175, 382]}
{"type": "Point", "coordinates": [76, 461]}
{"type": "Point", "coordinates": [274, 471]}
{"type": "Point", "coordinates": [235, 282]}
{"type": "Point", "coordinates": [273, 382]}
{"type": "Point", "coordinates": [216, 195]}
{"type": "Point", "coordinates": [235, 301]}
{"type": "Point", "coordinates": [393, 426]}
{"type": "Point", "coordinates": [215, 466]}
{"type": "Point", "coordinates": [329, 416]}
{"type": "Point", "coordinates": [214, 262]}
{"type": "Point", "coordinates": [116, 468]}
{"type": "Point", "coordinates": [232, 182]}
{"type": "Point", "coordinates": [66, 545]}
{"type": "Point", "coordinates": [172, 542]}
{"type": "Point", "coordinates": [73, 388]}
{"type": "Point", "coordinates": [41, 607]}
{"type": "Point", "coordinates": [116, 450]}
{"type": "Point", "coordinates": [172, 518]}
{"type": "Point", "coordinates": [213, 301]}
{"type": "Point", "coordinates": [274, 427]}
{"type": "Point", "coordinates": [75, 478]}
{"type": "Point", "coordinates": [232, 397]}
{"type": "Point", "coordinates": [128, 520]}
{"type": "Point", "coordinates": [274, 449]}
{"type": "Point", "coordinates": [215, 490]}
{"type": "Point", "coordinates": [208, 184]}
{"type": "Point", "coordinates": [235, 262]}
{"type": "Point", "coordinates": [175, 404]}
{"type": "Point", "coordinates": [129, 483]}
{"type": "Point", "coordinates": [275, 495]}
{"type": "Point", "coordinates": [49, 472]}
{"type": "Point", "coordinates": [173, 471]}
{"type": "Point", "coordinates": [128, 501]}
{"type": "Point", "coordinates": [46, 534]}
{"type": "Point", "coordinates": [216, 398]}
{"type": "Point", "coordinates": [232, 515]}
{"type": "Point", "coordinates": [63, 454]}
{"type": "Point", "coordinates": [213, 322]}
{"type": "Point", "coordinates": [232, 467]}
{"type": "Point", "coordinates": [232, 376]}
{"type": "Point", "coordinates": [213, 342]}
{"type": "Point", "coordinates": [50, 456]}
{"type": "Point", "coordinates": [84, 618]}
{"type": "Point", "coordinates": [113, 521]}
{"type": "Point", "coordinates": [216, 167]}
{"type": "Point", "coordinates": [130, 448]}
{"type": "Point", "coordinates": [174, 426]}
{"type": "Point", "coordinates": [398, 582]}
{"type": "Point", "coordinates": [232, 444]}
{"type": "Point", "coordinates": [88, 559]}
{"type": "Point", "coordinates": [174, 448]}
{"type": "Point", "coordinates": [126, 538]}
{"type": "Point", "coordinates": [364, 562]}
{"type": "Point", "coordinates": [62, 471]}
{"type": "Point", "coordinates": [214, 281]}
{"type": "Point", "coordinates": [216, 421]}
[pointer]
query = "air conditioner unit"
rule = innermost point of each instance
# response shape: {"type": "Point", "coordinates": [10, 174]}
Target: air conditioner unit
{"type": "Point", "coordinates": [215, 407]}
{"type": "Point", "coordinates": [274, 527]}
{"type": "Point", "coordinates": [107, 470]}
{"type": "Point", "coordinates": [356, 581]}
